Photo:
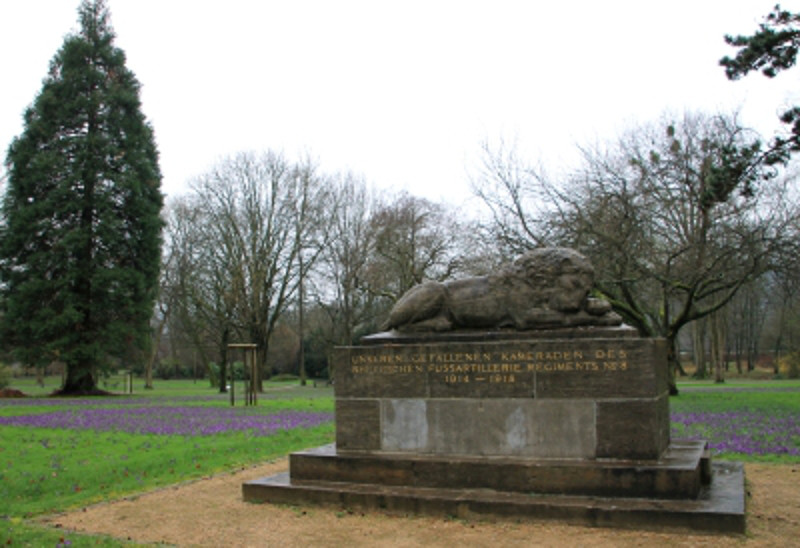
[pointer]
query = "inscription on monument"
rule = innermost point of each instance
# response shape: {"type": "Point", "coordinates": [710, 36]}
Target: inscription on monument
{"type": "Point", "coordinates": [492, 367]}
{"type": "Point", "coordinates": [517, 369]}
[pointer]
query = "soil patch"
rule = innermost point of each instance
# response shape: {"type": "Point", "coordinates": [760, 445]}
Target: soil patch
{"type": "Point", "coordinates": [12, 393]}
{"type": "Point", "coordinates": [211, 512]}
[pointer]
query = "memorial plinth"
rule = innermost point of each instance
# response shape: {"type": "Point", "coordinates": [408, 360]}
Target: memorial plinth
{"type": "Point", "coordinates": [568, 424]}
{"type": "Point", "coordinates": [600, 394]}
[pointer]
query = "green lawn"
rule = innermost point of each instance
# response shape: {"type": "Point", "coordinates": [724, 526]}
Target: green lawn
{"type": "Point", "coordinates": [119, 384]}
{"type": "Point", "coordinates": [45, 469]}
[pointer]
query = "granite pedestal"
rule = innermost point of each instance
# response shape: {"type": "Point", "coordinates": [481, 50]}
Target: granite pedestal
{"type": "Point", "coordinates": [568, 424]}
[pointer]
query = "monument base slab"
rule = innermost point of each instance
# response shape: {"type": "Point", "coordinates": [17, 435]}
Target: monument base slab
{"type": "Point", "coordinates": [634, 494]}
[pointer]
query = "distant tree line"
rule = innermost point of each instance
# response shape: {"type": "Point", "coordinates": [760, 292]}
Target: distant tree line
{"type": "Point", "coordinates": [692, 235]}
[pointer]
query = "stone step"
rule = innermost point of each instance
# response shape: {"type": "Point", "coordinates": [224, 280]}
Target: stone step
{"type": "Point", "coordinates": [677, 475]}
{"type": "Point", "coordinates": [718, 508]}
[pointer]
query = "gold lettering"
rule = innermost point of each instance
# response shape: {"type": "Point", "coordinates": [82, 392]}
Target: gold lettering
{"type": "Point", "coordinates": [456, 379]}
{"type": "Point", "coordinates": [610, 354]}
{"type": "Point", "coordinates": [459, 367]}
{"type": "Point", "coordinates": [502, 379]}
{"type": "Point", "coordinates": [522, 356]}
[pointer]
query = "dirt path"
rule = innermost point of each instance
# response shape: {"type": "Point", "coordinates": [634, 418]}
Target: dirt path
{"type": "Point", "coordinates": [210, 512]}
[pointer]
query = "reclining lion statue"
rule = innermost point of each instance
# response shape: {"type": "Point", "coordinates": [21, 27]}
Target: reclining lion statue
{"type": "Point", "coordinates": [544, 288]}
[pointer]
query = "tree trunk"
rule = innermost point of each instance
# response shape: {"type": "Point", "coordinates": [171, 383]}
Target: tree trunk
{"type": "Point", "coordinates": [673, 364]}
{"type": "Point", "coordinates": [752, 356]}
{"type": "Point", "coordinates": [223, 361]}
{"type": "Point", "coordinates": [148, 375]}
{"type": "Point", "coordinates": [301, 325]}
{"type": "Point", "coordinates": [717, 346]}
{"type": "Point", "coordinates": [262, 373]}
{"type": "Point", "coordinates": [80, 381]}
{"type": "Point", "coordinates": [777, 350]}
{"type": "Point", "coordinates": [148, 369]}
{"type": "Point", "coordinates": [699, 349]}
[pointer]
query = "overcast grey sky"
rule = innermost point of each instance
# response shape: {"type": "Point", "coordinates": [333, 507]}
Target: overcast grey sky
{"type": "Point", "coordinates": [403, 92]}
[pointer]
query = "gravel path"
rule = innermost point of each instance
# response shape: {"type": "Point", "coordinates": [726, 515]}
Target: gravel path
{"type": "Point", "coordinates": [210, 512]}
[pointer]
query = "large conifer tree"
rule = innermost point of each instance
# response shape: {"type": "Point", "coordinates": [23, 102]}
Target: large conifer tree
{"type": "Point", "coordinates": [81, 233]}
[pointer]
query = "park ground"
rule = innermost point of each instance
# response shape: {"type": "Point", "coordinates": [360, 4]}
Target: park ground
{"type": "Point", "coordinates": [211, 512]}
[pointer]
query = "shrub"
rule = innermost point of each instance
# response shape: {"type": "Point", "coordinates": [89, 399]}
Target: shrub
{"type": "Point", "coordinates": [284, 377]}
{"type": "Point", "coordinates": [213, 374]}
{"type": "Point", "coordinates": [789, 366]}
{"type": "Point", "coordinates": [165, 369]}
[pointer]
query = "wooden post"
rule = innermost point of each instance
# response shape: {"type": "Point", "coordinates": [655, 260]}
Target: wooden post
{"type": "Point", "coordinates": [250, 397]}
{"type": "Point", "coordinates": [233, 383]}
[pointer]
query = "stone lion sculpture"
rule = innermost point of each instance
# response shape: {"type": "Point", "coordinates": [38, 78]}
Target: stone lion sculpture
{"type": "Point", "coordinates": [544, 288]}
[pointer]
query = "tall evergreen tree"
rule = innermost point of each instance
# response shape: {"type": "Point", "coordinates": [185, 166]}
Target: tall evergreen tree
{"type": "Point", "coordinates": [81, 233]}
{"type": "Point", "coordinates": [771, 49]}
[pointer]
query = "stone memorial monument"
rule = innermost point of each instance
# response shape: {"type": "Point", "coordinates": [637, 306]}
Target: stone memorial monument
{"type": "Point", "coordinates": [511, 395]}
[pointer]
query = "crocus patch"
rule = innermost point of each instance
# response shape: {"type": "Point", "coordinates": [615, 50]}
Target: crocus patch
{"type": "Point", "coordinates": [171, 420]}
{"type": "Point", "coordinates": [742, 432]}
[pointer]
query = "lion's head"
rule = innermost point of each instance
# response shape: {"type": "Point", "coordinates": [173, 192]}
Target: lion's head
{"type": "Point", "coordinates": [561, 278]}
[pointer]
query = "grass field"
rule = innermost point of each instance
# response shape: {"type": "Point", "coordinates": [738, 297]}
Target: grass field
{"type": "Point", "coordinates": [57, 454]}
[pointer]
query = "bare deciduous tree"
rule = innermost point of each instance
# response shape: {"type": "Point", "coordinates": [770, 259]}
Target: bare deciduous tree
{"type": "Point", "coordinates": [261, 213]}
{"type": "Point", "coordinates": [342, 290]}
{"type": "Point", "coordinates": [415, 240]}
{"type": "Point", "coordinates": [676, 217]}
{"type": "Point", "coordinates": [197, 290]}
